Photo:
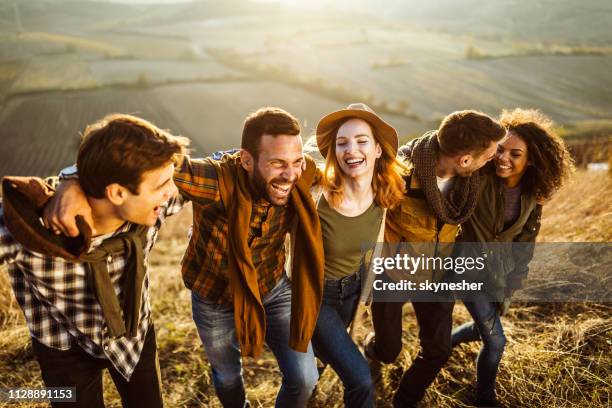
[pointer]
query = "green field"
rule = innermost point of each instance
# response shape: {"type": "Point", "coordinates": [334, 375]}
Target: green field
{"type": "Point", "coordinates": [205, 67]}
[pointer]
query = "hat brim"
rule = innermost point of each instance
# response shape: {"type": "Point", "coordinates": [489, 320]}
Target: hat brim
{"type": "Point", "coordinates": [381, 128]}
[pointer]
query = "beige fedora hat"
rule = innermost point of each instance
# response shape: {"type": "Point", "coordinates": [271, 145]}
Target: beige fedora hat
{"type": "Point", "coordinates": [360, 111]}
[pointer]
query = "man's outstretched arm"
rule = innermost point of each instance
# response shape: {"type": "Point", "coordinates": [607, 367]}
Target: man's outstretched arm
{"type": "Point", "coordinates": [195, 179]}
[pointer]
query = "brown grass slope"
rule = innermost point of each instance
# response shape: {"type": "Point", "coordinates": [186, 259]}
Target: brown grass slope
{"type": "Point", "coordinates": [558, 355]}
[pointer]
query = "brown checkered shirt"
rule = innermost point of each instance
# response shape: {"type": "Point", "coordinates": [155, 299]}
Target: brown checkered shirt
{"type": "Point", "coordinates": [205, 262]}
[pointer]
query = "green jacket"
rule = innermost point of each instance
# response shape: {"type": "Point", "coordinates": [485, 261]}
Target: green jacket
{"type": "Point", "coordinates": [506, 265]}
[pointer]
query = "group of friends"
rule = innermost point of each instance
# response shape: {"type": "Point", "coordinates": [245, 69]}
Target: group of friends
{"type": "Point", "coordinates": [275, 254]}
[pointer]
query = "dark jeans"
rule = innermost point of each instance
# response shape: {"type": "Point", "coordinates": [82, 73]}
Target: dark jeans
{"type": "Point", "coordinates": [435, 321]}
{"type": "Point", "coordinates": [333, 345]}
{"type": "Point", "coordinates": [488, 327]}
{"type": "Point", "coordinates": [217, 330]}
{"type": "Point", "coordinates": [75, 368]}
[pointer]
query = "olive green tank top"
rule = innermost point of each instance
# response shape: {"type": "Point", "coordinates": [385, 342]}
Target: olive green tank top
{"type": "Point", "coordinates": [344, 238]}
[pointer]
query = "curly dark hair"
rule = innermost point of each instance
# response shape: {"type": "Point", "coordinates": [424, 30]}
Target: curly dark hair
{"type": "Point", "coordinates": [551, 162]}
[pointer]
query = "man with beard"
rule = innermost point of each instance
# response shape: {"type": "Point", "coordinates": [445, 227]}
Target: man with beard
{"type": "Point", "coordinates": [441, 192]}
{"type": "Point", "coordinates": [244, 204]}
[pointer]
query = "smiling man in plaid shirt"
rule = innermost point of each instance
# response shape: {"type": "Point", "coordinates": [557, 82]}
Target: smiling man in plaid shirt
{"type": "Point", "coordinates": [86, 299]}
{"type": "Point", "coordinates": [273, 165]}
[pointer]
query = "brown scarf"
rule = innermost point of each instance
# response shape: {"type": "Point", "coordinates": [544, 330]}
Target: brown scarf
{"type": "Point", "coordinates": [308, 265]}
{"type": "Point", "coordinates": [23, 200]}
{"type": "Point", "coordinates": [461, 201]}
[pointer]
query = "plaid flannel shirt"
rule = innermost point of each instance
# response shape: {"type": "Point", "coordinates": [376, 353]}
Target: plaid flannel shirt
{"type": "Point", "coordinates": [205, 263]}
{"type": "Point", "coordinates": [61, 309]}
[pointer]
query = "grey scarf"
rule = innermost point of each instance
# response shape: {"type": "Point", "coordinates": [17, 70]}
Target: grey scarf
{"type": "Point", "coordinates": [461, 201]}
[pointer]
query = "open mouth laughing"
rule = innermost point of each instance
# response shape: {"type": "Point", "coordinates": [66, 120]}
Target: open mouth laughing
{"type": "Point", "coordinates": [353, 162]}
{"type": "Point", "coordinates": [504, 167]}
{"type": "Point", "coordinates": [281, 189]}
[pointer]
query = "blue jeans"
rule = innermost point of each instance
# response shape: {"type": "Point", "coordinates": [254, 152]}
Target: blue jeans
{"type": "Point", "coordinates": [334, 346]}
{"type": "Point", "coordinates": [215, 324]}
{"type": "Point", "coordinates": [487, 326]}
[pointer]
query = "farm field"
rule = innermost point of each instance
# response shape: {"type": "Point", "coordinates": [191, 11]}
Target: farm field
{"type": "Point", "coordinates": [44, 142]}
{"type": "Point", "coordinates": [429, 72]}
{"type": "Point", "coordinates": [398, 67]}
{"type": "Point", "coordinates": [41, 135]}
{"type": "Point", "coordinates": [108, 72]}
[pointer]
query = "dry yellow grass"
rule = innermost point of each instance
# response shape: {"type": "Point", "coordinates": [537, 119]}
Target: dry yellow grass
{"type": "Point", "coordinates": [581, 211]}
{"type": "Point", "coordinates": [558, 355]}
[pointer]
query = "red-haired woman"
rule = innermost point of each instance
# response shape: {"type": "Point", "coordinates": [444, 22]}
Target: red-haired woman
{"type": "Point", "coordinates": [362, 177]}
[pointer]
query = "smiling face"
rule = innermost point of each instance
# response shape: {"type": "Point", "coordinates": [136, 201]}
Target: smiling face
{"type": "Point", "coordinates": [356, 148]}
{"type": "Point", "coordinates": [277, 168]}
{"type": "Point", "coordinates": [156, 188]}
{"type": "Point", "coordinates": [511, 159]}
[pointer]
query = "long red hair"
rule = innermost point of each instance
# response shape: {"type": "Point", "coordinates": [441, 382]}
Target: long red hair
{"type": "Point", "coordinates": [387, 182]}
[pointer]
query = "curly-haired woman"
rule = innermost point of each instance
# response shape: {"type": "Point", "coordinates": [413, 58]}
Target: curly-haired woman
{"type": "Point", "coordinates": [530, 165]}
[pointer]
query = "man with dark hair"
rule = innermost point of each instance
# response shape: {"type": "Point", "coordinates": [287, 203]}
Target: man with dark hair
{"type": "Point", "coordinates": [263, 128]}
{"type": "Point", "coordinates": [86, 299]}
{"type": "Point", "coordinates": [465, 135]}
{"type": "Point", "coordinates": [244, 205]}
{"type": "Point", "coordinates": [267, 121]}
{"type": "Point", "coordinates": [441, 191]}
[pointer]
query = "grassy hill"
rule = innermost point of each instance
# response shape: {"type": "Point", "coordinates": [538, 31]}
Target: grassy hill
{"type": "Point", "coordinates": [558, 355]}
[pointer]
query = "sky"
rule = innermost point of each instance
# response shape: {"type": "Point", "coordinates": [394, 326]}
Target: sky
{"type": "Point", "coordinates": [148, 1]}
{"type": "Point", "coordinates": [287, 2]}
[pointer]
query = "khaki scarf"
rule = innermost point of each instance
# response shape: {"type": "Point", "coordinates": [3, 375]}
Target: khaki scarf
{"type": "Point", "coordinates": [308, 265]}
{"type": "Point", "coordinates": [23, 200]}
{"type": "Point", "coordinates": [131, 244]}
{"type": "Point", "coordinates": [461, 200]}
